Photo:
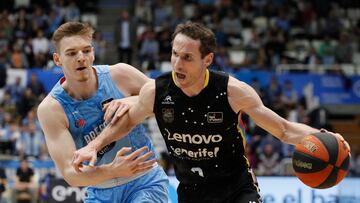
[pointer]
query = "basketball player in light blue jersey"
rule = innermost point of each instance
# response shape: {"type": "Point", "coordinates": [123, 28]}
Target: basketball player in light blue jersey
{"type": "Point", "coordinates": [72, 116]}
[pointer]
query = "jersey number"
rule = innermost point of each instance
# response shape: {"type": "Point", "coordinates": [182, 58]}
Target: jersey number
{"type": "Point", "coordinates": [197, 170]}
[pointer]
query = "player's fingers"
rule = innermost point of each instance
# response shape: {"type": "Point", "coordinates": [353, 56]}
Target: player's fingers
{"type": "Point", "coordinates": [119, 113]}
{"type": "Point", "coordinates": [136, 153]}
{"type": "Point", "coordinates": [144, 157]}
{"type": "Point", "coordinates": [144, 168]}
{"type": "Point", "coordinates": [147, 163]}
{"type": "Point", "coordinates": [341, 138]}
{"type": "Point", "coordinates": [105, 106]}
{"type": "Point", "coordinates": [109, 113]}
{"type": "Point", "coordinates": [92, 161]}
{"type": "Point", "coordinates": [123, 151]}
{"type": "Point", "coordinates": [76, 164]}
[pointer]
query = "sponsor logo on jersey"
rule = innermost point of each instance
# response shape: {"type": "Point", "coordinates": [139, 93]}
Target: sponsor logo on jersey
{"type": "Point", "coordinates": [168, 115]}
{"type": "Point", "coordinates": [167, 100]}
{"type": "Point", "coordinates": [200, 153]}
{"type": "Point", "coordinates": [215, 117]}
{"type": "Point", "coordinates": [79, 122]}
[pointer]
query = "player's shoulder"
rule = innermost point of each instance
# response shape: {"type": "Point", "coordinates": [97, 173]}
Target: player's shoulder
{"type": "Point", "coordinates": [122, 69]}
{"type": "Point", "coordinates": [237, 85]}
{"type": "Point", "coordinates": [48, 106]}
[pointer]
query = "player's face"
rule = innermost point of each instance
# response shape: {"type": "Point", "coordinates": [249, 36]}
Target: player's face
{"type": "Point", "coordinates": [76, 57]}
{"type": "Point", "coordinates": [186, 61]}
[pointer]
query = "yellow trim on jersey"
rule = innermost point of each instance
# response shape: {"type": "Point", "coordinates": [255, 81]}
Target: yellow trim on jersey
{"type": "Point", "coordinates": [242, 133]}
{"type": "Point", "coordinates": [206, 78]}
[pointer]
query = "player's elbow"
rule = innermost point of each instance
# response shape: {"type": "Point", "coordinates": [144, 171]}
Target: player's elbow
{"type": "Point", "coordinates": [72, 179]}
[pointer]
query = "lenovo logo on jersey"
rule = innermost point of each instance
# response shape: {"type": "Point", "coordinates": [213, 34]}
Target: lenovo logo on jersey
{"type": "Point", "coordinates": [194, 139]}
{"type": "Point", "coordinates": [167, 100]}
{"type": "Point", "coordinates": [215, 117]}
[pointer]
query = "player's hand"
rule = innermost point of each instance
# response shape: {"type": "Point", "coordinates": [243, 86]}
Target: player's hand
{"type": "Point", "coordinates": [87, 153]}
{"type": "Point", "coordinates": [114, 110]}
{"type": "Point", "coordinates": [126, 165]}
{"type": "Point", "coordinates": [338, 136]}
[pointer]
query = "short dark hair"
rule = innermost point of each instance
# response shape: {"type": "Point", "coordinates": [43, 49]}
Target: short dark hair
{"type": "Point", "coordinates": [70, 29]}
{"type": "Point", "coordinates": [198, 31]}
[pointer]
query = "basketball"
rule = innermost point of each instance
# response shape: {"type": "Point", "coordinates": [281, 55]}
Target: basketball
{"type": "Point", "coordinates": [321, 160]}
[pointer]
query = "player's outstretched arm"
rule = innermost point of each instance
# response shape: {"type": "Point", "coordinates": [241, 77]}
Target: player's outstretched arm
{"type": "Point", "coordinates": [140, 110]}
{"type": "Point", "coordinates": [61, 147]}
{"type": "Point", "coordinates": [244, 98]}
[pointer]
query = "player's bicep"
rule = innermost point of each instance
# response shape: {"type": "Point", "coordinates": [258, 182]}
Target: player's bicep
{"type": "Point", "coordinates": [57, 137]}
{"type": "Point", "coordinates": [134, 78]}
{"type": "Point", "coordinates": [243, 97]}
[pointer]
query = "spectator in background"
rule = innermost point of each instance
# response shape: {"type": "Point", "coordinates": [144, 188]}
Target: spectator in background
{"type": "Point", "coordinates": [313, 58]}
{"type": "Point", "coordinates": [268, 161]}
{"type": "Point", "coordinates": [54, 20]}
{"type": "Point", "coordinates": [72, 12]}
{"type": "Point", "coordinates": [31, 142]}
{"type": "Point", "coordinates": [344, 49]}
{"type": "Point", "coordinates": [40, 44]}
{"type": "Point", "coordinates": [149, 50]}
{"type": "Point", "coordinates": [231, 26]}
{"type": "Point", "coordinates": [125, 37]}
{"type": "Point", "coordinates": [3, 69]}
{"type": "Point", "coordinates": [24, 185]}
{"type": "Point", "coordinates": [252, 47]}
{"type": "Point", "coordinates": [26, 102]}
{"type": "Point", "coordinates": [3, 183]}
{"type": "Point", "coordinates": [28, 51]}
{"type": "Point", "coordinates": [221, 59]}
{"type": "Point", "coordinates": [143, 11]}
{"type": "Point", "coordinates": [164, 38]}
{"type": "Point", "coordinates": [18, 59]}
{"type": "Point", "coordinates": [289, 96]}
{"type": "Point", "coordinates": [15, 90]}
{"type": "Point", "coordinates": [36, 86]}
{"type": "Point", "coordinates": [327, 51]}
{"type": "Point", "coordinates": [273, 90]}
{"type": "Point", "coordinates": [99, 47]}
{"type": "Point", "coordinates": [31, 118]}
{"type": "Point", "coordinates": [39, 18]}
{"type": "Point", "coordinates": [10, 136]}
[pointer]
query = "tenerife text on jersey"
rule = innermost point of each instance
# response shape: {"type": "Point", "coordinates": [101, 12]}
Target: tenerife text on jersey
{"type": "Point", "coordinates": [197, 139]}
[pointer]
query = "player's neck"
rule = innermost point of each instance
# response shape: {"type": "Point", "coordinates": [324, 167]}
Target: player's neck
{"type": "Point", "coordinates": [81, 90]}
{"type": "Point", "coordinates": [198, 86]}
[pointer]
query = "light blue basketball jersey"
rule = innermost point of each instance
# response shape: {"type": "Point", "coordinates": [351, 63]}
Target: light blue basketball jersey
{"type": "Point", "coordinates": [86, 117]}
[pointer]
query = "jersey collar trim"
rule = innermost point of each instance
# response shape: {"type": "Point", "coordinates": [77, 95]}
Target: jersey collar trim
{"type": "Point", "coordinates": [206, 78]}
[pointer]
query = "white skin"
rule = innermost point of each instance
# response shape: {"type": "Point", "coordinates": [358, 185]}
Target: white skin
{"type": "Point", "coordinates": [190, 71]}
{"type": "Point", "coordinates": [76, 56]}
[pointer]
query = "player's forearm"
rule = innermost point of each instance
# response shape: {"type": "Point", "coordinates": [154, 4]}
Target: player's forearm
{"type": "Point", "coordinates": [111, 133]}
{"type": "Point", "coordinates": [294, 132]}
{"type": "Point", "coordinates": [89, 175]}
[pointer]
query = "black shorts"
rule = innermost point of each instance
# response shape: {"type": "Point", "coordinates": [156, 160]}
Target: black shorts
{"type": "Point", "coordinates": [241, 189]}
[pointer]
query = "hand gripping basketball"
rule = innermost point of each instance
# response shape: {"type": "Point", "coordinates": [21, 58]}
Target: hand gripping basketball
{"type": "Point", "coordinates": [321, 160]}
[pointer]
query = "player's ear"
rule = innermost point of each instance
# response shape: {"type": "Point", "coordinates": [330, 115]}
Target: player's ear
{"type": "Point", "coordinates": [56, 59]}
{"type": "Point", "coordinates": [209, 59]}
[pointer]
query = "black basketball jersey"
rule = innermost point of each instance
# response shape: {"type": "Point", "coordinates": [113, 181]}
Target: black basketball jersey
{"type": "Point", "coordinates": [202, 133]}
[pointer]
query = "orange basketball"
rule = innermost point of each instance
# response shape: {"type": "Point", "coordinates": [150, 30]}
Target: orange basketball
{"type": "Point", "coordinates": [321, 160]}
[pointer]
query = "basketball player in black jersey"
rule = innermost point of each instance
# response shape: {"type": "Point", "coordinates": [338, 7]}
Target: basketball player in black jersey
{"type": "Point", "coordinates": [198, 114]}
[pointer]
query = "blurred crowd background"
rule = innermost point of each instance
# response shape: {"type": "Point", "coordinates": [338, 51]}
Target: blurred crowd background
{"type": "Point", "coordinates": [276, 36]}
